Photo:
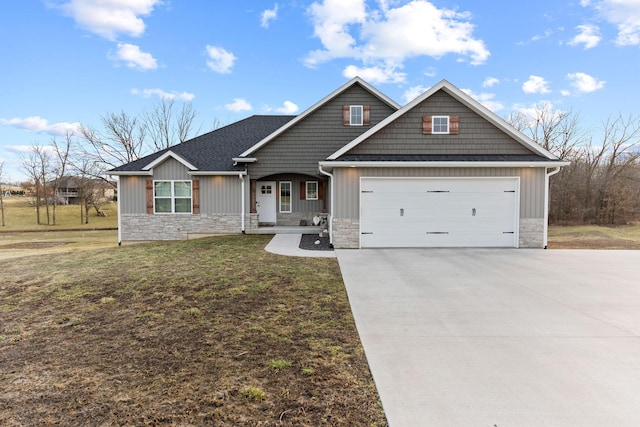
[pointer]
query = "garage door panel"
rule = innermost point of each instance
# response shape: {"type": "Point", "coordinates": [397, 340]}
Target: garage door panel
{"type": "Point", "coordinates": [438, 212]}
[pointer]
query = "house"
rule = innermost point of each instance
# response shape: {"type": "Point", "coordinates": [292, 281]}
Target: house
{"type": "Point", "coordinates": [441, 171]}
{"type": "Point", "coordinates": [71, 189]}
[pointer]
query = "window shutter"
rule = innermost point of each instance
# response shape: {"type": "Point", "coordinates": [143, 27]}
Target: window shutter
{"type": "Point", "coordinates": [149, 196]}
{"type": "Point", "coordinates": [346, 115]}
{"type": "Point", "coordinates": [366, 115]}
{"type": "Point", "coordinates": [427, 125]}
{"type": "Point", "coordinates": [321, 190]}
{"type": "Point", "coordinates": [454, 125]}
{"type": "Point", "coordinates": [195, 196]}
{"type": "Point", "coordinates": [303, 190]}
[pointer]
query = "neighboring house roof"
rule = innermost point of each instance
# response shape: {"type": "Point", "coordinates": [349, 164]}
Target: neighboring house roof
{"type": "Point", "coordinates": [464, 99]}
{"type": "Point", "coordinates": [70, 181]}
{"type": "Point", "coordinates": [213, 151]}
{"type": "Point", "coordinates": [317, 105]}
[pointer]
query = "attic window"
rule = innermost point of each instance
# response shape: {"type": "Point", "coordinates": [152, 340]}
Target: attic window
{"type": "Point", "coordinates": [356, 115]}
{"type": "Point", "coordinates": [440, 125]}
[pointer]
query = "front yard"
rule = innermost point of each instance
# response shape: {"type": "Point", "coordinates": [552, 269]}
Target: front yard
{"type": "Point", "coordinates": [208, 332]}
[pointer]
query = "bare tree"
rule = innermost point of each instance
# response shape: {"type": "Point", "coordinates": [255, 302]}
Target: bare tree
{"type": "Point", "coordinates": [62, 152]}
{"type": "Point", "coordinates": [166, 126]}
{"type": "Point", "coordinates": [36, 166]}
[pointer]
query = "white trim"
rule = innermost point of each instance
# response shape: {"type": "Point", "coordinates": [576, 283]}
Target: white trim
{"type": "Point", "coordinates": [201, 173]}
{"type": "Point", "coordinates": [330, 219]}
{"type": "Point", "coordinates": [242, 207]}
{"type": "Point", "coordinates": [244, 159]}
{"type": "Point", "coordinates": [547, 175]}
{"type": "Point", "coordinates": [319, 104]}
{"type": "Point", "coordinates": [131, 173]}
{"type": "Point", "coordinates": [463, 98]}
{"type": "Point", "coordinates": [165, 156]}
{"type": "Point", "coordinates": [280, 196]}
{"type": "Point", "coordinates": [351, 115]}
{"type": "Point", "coordinates": [444, 164]}
{"type": "Point", "coordinates": [119, 195]}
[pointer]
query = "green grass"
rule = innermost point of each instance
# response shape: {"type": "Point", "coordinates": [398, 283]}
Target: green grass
{"type": "Point", "coordinates": [173, 333]}
{"type": "Point", "coordinates": [21, 216]}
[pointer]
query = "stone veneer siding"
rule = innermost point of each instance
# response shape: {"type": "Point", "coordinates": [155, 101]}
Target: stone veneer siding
{"type": "Point", "coordinates": [531, 234]}
{"type": "Point", "coordinates": [177, 227]}
{"type": "Point", "coordinates": [346, 233]}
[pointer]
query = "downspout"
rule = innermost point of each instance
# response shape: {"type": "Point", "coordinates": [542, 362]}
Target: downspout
{"type": "Point", "coordinates": [118, 193]}
{"type": "Point", "coordinates": [241, 176]}
{"type": "Point", "coordinates": [546, 202]}
{"type": "Point", "coordinates": [323, 172]}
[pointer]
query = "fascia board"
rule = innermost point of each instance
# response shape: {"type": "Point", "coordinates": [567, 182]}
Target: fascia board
{"type": "Point", "coordinates": [131, 173]}
{"type": "Point", "coordinates": [212, 173]}
{"type": "Point", "coordinates": [165, 156]}
{"type": "Point", "coordinates": [444, 164]}
{"type": "Point", "coordinates": [317, 105]}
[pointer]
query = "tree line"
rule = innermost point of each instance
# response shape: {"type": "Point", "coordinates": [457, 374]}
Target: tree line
{"type": "Point", "coordinates": [87, 153]}
{"type": "Point", "coordinates": [602, 183]}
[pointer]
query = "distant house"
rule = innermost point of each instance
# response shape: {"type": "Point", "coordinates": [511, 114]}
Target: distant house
{"type": "Point", "coordinates": [70, 189]}
{"type": "Point", "coordinates": [441, 171]}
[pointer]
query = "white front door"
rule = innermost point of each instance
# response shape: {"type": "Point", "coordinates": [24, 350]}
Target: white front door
{"type": "Point", "coordinates": [266, 201]}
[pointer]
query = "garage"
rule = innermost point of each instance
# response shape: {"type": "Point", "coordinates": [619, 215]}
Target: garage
{"type": "Point", "coordinates": [439, 212]}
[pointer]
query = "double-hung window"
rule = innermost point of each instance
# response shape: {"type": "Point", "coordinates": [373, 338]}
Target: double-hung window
{"type": "Point", "coordinates": [311, 190]}
{"type": "Point", "coordinates": [356, 115]}
{"type": "Point", "coordinates": [172, 196]}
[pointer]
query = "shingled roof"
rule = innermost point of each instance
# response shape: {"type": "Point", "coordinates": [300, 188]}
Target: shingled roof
{"type": "Point", "coordinates": [214, 151]}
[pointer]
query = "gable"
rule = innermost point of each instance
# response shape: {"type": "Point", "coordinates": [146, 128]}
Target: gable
{"type": "Point", "coordinates": [476, 135]}
{"type": "Point", "coordinates": [318, 134]}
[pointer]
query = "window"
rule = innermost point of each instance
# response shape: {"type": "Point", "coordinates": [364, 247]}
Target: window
{"type": "Point", "coordinates": [172, 196]}
{"type": "Point", "coordinates": [440, 124]}
{"type": "Point", "coordinates": [311, 190]}
{"type": "Point", "coordinates": [285, 196]}
{"type": "Point", "coordinates": [355, 116]}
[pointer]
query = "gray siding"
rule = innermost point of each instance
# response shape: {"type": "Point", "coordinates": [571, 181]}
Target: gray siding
{"type": "Point", "coordinates": [299, 149]}
{"type": "Point", "coordinates": [347, 185]}
{"type": "Point", "coordinates": [476, 135]}
{"type": "Point", "coordinates": [218, 194]}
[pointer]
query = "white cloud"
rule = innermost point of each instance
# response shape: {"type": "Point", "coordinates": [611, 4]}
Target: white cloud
{"type": "Point", "coordinates": [485, 99]}
{"type": "Point", "coordinates": [147, 93]}
{"type": "Point", "coordinates": [589, 36]}
{"type": "Point", "coordinates": [268, 16]}
{"type": "Point", "coordinates": [38, 124]}
{"type": "Point", "coordinates": [238, 105]}
{"type": "Point", "coordinates": [375, 75]}
{"type": "Point", "coordinates": [490, 82]}
{"type": "Point", "coordinates": [536, 84]}
{"type": "Point", "coordinates": [533, 112]}
{"type": "Point", "coordinates": [385, 37]}
{"type": "Point", "coordinates": [584, 83]}
{"type": "Point", "coordinates": [134, 58]}
{"type": "Point", "coordinates": [220, 60]}
{"type": "Point", "coordinates": [413, 92]}
{"type": "Point", "coordinates": [109, 18]}
{"type": "Point", "coordinates": [287, 108]}
{"type": "Point", "coordinates": [624, 14]}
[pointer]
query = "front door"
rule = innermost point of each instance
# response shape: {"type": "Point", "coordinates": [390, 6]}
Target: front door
{"type": "Point", "coordinates": [266, 201]}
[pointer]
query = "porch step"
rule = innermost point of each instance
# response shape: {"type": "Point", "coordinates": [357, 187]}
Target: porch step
{"type": "Point", "coordinates": [280, 229]}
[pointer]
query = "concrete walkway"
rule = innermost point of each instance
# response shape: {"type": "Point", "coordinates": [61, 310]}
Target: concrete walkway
{"type": "Point", "coordinates": [506, 338]}
{"type": "Point", "coordinates": [288, 244]}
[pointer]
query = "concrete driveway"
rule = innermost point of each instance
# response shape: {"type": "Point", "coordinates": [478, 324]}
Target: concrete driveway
{"type": "Point", "coordinates": [484, 337]}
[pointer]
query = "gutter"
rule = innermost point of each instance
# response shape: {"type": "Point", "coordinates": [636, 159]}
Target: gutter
{"type": "Point", "coordinates": [443, 164]}
{"type": "Point", "coordinates": [323, 172]}
{"type": "Point", "coordinates": [546, 204]}
{"type": "Point", "coordinates": [241, 176]}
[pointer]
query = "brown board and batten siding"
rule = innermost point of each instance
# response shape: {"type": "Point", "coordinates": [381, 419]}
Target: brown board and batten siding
{"type": "Point", "coordinates": [217, 194]}
{"type": "Point", "coordinates": [317, 136]}
{"type": "Point", "coordinates": [476, 136]}
{"type": "Point", "coordinates": [347, 185]}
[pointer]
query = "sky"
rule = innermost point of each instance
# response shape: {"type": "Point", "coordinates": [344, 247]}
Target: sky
{"type": "Point", "coordinates": [70, 62]}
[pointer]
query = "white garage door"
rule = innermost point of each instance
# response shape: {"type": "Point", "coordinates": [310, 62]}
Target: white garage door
{"type": "Point", "coordinates": [437, 212]}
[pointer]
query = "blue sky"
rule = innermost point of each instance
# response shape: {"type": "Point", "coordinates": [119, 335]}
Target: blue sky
{"type": "Point", "coordinates": [65, 62]}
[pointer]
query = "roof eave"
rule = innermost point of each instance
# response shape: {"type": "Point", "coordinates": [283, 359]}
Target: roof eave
{"type": "Point", "coordinates": [131, 173]}
{"type": "Point", "coordinates": [328, 165]}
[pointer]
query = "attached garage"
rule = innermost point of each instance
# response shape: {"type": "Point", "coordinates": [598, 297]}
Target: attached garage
{"type": "Point", "coordinates": [439, 212]}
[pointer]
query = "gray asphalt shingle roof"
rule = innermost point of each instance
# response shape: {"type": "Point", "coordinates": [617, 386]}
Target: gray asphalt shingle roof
{"type": "Point", "coordinates": [215, 150]}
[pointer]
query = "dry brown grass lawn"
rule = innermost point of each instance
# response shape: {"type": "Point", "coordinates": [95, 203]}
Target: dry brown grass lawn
{"type": "Point", "coordinates": [594, 237]}
{"type": "Point", "coordinates": [207, 332]}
